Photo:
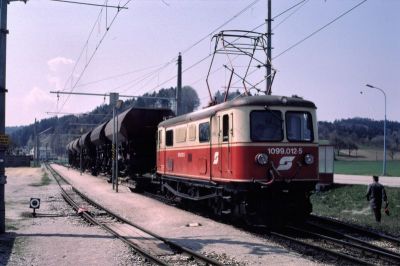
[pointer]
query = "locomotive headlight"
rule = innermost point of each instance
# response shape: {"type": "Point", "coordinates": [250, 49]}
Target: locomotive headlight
{"type": "Point", "coordinates": [309, 159]}
{"type": "Point", "coordinates": [262, 159]}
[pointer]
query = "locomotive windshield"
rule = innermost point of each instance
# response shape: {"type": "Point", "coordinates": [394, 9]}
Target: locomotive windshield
{"type": "Point", "coordinates": [299, 126]}
{"type": "Point", "coordinates": [266, 125]}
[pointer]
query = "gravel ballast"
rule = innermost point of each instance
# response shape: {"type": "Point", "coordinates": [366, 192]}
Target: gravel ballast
{"type": "Point", "coordinates": [57, 236]}
{"type": "Point", "coordinates": [219, 240]}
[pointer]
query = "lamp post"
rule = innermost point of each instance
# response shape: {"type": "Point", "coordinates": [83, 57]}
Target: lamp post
{"type": "Point", "coordinates": [384, 129]}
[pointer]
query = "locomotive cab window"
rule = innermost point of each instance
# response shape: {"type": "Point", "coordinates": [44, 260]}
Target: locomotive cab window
{"type": "Point", "coordinates": [225, 128]}
{"type": "Point", "coordinates": [204, 132]}
{"type": "Point", "coordinates": [266, 125]}
{"type": "Point", "coordinates": [169, 138]}
{"type": "Point", "coordinates": [299, 126]}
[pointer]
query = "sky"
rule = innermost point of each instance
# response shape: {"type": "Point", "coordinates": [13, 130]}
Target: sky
{"type": "Point", "coordinates": [67, 47]}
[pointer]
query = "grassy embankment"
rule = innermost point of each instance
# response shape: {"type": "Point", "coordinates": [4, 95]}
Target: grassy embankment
{"type": "Point", "coordinates": [348, 203]}
{"type": "Point", "coordinates": [357, 167]}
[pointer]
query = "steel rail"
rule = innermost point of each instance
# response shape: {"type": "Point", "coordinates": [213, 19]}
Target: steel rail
{"type": "Point", "coordinates": [328, 251]}
{"type": "Point", "coordinates": [94, 221]}
{"type": "Point", "coordinates": [373, 251]}
{"type": "Point", "coordinates": [170, 243]}
{"type": "Point", "coordinates": [355, 239]}
{"type": "Point", "coordinates": [356, 228]}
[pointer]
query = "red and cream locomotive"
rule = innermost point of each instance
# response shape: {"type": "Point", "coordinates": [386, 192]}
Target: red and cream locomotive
{"type": "Point", "coordinates": [252, 157]}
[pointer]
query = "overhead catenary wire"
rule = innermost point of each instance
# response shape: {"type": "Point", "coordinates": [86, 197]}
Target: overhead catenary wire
{"type": "Point", "coordinates": [225, 23]}
{"type": "Point", "coordinates": [299, 6]}
{"type": "Point", "coordinates": [88, 4]}
{"type": "Point", "coordinates": [117, 76]}
{"type": "Point", "coordinates": [313, 33]}
{"type": "Point", "coordinates": [83, 48]}
{"type": "Point", "coordinates": [222, 25]}
{"type": "Point", "coordinates": [92, 55]}
{"type": "Point", "coordinates": [201, 40]}
{"type": "Point", "coordinates": [318, 30]}
{"type": "Point", "coordinates": [156, 72]}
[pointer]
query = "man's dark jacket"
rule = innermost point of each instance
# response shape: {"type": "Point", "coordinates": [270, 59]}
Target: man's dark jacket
{"type": "Point", "coordinates": [376, 194]}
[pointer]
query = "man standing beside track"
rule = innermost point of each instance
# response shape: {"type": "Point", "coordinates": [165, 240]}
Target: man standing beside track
{"type": "Point", "coordinates": [375, 195]}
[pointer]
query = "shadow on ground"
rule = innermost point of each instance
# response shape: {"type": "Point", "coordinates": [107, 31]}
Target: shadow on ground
{"type": "Point", "coordinates": [6, 246]}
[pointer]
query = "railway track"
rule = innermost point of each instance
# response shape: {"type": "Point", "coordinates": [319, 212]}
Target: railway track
{"type": "Point", "coordinates": [328, 240]}
{"type": "Point", "coordinates": [151, 246]}
{"type": "Point", "coordinates": [356, 229]}
{"type": "Point", "coordinates": [341, 241]}
{"type": "Point", "coordinates": [347, 243]}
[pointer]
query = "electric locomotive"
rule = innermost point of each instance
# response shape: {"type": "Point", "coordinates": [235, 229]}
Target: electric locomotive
{"type": "Point", "coordinates": [254, 157]}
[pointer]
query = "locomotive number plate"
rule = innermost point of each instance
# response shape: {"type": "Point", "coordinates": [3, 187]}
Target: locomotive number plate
{"type": "Point", "coordinates": [285, 151]}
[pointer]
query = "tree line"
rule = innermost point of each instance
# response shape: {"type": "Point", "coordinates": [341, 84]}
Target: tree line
{"type": "Point", "coordinates": [59, 131]}
{"type": "Point", "coordinates": [345, 134]}
{"type": "Point", "coordinates": [353, 133]}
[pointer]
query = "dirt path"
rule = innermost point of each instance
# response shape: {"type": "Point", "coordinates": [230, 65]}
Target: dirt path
{"type": "Point", "coordinates": [57, 236]}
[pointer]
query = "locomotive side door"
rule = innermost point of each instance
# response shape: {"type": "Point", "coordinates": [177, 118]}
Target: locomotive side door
{"type": "Point", "coordinates": [160, 152]}
{"type": "Point", "coordinates": [225, 146]}
{"type": "Point", "coordinates": [221, 150]}
{"type": "Point", "coordinates": [215, 147]}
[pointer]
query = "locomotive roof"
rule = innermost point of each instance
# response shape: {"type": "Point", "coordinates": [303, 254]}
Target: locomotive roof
{"type": "Point", "coordinates": [259, 100]}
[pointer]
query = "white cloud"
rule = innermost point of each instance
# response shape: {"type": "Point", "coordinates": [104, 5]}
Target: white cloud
{"type": "Point", "coordinates": [36, 98]}
{"type": "Point", "coordinates": [57, 63]}
{"type": "Point", "coordinates": [60, 68]}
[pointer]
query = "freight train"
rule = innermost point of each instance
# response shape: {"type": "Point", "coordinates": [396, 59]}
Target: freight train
{"type": "Point", "coordinates": [254, 158]}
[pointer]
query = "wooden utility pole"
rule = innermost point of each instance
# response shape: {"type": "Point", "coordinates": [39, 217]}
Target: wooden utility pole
{"type": "Point", "coordinates": [179, 87]}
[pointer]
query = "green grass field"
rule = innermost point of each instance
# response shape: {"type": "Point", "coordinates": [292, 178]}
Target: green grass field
{"type": "Point", "coordinates": [348, 203]}
{"type": "Point", "coordinates": [366, 167]}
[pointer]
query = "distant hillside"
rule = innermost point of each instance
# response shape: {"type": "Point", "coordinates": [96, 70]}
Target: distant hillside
{"type": "Point", "coordinates": [345, 134]}
{"type": "Point", "coordinates": [56, 133]}
{"type": "Point", "coordinates": [355, 133]}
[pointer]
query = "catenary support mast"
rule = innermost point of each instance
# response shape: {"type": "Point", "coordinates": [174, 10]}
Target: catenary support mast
{"type": "Point", "coordinates": [269, 50]}
{"type": "Point", "coordinates": [3, 38]}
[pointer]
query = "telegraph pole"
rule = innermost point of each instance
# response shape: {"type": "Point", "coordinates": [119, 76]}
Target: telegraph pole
{"type": "Point", "coordinates": [179, 87]}
{"type": "Point", "coordinates": [3, 39]}
{"type": "Point", "coordinates": [269, 50]}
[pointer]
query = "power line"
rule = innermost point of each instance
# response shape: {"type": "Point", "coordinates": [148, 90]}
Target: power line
{"type": "Point", "coordinates": [313, 33]}
{"type": "Point", "coordinates": [116, 76]}
{"type": "Point", "coordinates": [204, 38]}
{"type": "Point", "coordinates": [223, 24]}
{"type": "Point", "coordinates": [291, 14]}
{"type": "Point", "coordinates": [156, 72]}
{"type": "Point", "coordinates": [183, 71]}
{"type": "Point", "coordinates": [83, 48]}
{"type": "Point", "coordinates": [283, 12]}
{"type": "Point", "coordinates": [93, 54]}
{"type": "Point", "coordinates": [88, 4]}
{"type": "Point", "coordinates": [320, 29]}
